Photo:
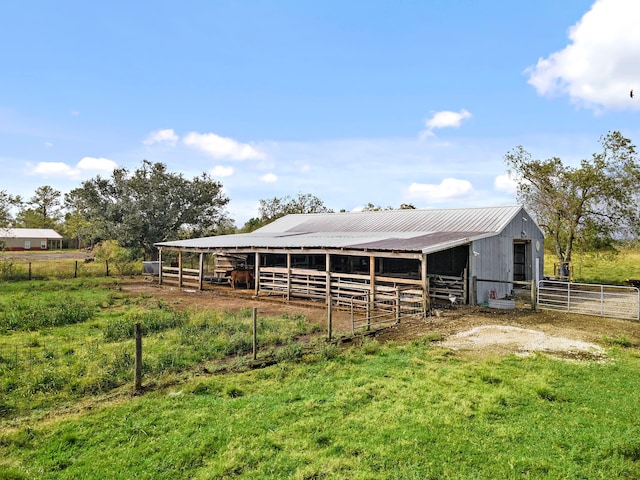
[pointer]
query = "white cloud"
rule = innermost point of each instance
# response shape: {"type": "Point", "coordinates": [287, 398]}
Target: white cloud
{"type": "Point", "coordinates": [85, 165]}
{"type": "Point", "coordinates": [599, 66]}
{"type": "Point", "coordinates": [91, 164]}
{"type": "Point", "coordinates": [221, 171]}
{"type": "Point", "coordinates": [222, 147]}
{"type": "Point", "coordinates": [48, 144]}
{"type": "Point", "coordinates": [53, 168]}
{"type": "Point", "coordinates": [269, 178]}
{"type": "Point", "coordinates": [444, 119]}
{"type": "Point", "coordinates": [166, 136]}
{"type": "Point", "coordinates": [449, 189]}
{"type": "Point", "coordinates": [506, 183]}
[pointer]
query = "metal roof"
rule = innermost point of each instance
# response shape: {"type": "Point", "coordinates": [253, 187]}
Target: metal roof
{"type": "Point", "coordinates": [425, 230]}
{"type": "Point", "coordinates": [47, 233]}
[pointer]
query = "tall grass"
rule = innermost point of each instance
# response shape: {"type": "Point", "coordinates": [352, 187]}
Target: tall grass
{"type": "Point", "coordinates": [61, 341]}
{"type": "Point", "coordinates": [390, 412]}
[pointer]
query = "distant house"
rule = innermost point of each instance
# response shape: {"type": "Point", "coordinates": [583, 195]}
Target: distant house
{"type": "Point", "coordinates": [29, 239]}
{"type": "Point", "coordinates": [473, 254]}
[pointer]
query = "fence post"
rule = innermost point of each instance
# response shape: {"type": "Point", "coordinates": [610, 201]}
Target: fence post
{"type": "Point", "coordinates": [106, 263]}
{"type": "Point", "coordinates": [29, 270]}
{"type": "Point", "coordinates": [255, 333]}
{"type": "Point", "coordinates": [329, 319]}
{"type": "Point", "coordinates": [534, 295]}
{"type": "Point", "coordinates": [474, 290]}
{"type": "Point", "coordinates": [75, 270]}
{"type": "Point", "coordinates": [353, 326]}
{"type": "Point", "coordinates": [368, 311]}
{"type": "Point", "coordinates": [397, 304]}
{"type": "Point", "coordinates": [138, 359]}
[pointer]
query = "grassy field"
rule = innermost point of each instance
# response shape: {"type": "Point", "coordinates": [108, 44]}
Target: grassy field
{"type": "Point", "coordinates": [601, 268]}
{"type": "Point", "coordinates": [397, 411]}
{"type": "Point", "coordinates": [394, 411]}
{"type": "Point", "coordinates": [61, 341]}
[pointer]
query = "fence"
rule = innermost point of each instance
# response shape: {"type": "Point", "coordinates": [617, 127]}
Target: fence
{"type": "Point", "coordinates": [588, 299]}
{"type": "Point", "coordinates": [39, 373]}
{"type": "Point", "coordinates": [388, 308]}
{"type": "Point", "coordinates": [14, 270]}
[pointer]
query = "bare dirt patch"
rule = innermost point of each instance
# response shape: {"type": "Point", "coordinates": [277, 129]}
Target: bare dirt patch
{"type": "Point", "coordinates": [463, 328]}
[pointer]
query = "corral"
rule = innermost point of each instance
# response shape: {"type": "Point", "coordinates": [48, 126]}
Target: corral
{"type": "Point", "coordinates": [394, 258]}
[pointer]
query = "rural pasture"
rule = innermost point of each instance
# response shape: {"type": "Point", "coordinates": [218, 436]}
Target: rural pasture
{"type": "Point", "coordinates": [401, 404]}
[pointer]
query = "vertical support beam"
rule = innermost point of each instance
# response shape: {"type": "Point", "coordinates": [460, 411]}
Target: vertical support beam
{"type": "Point", "coordinates": [534, 294]}
{"type": "Point", "coordinates": [426, 303]}
{"type": "Point", "coordinates": [398, 306]}
{"type": "Point", "coordinates": [328, 277]}
{"type": "Point", "coordinates": [288, 275]}
{"type": "Point", "coordinates": [474, 290]}
{"type": "Point", "coordinates": [160, 266]}
{"type": "Point", "coordinates": [256, 279]}
{"type": "Point", "coordinates": [201, 270]}
{"type": "Point", "coordinates": [372, 283]}
{"type": "Point", "coordinates": [180, 269]}
{"type": "Point", "coordinates": [465, 286]}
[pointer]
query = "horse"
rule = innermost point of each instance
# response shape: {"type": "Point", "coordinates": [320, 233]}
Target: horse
{"type": "Point", "coordinates": [241, 276]}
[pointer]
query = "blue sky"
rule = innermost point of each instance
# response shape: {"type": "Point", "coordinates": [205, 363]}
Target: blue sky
{"type": "Point", "coordinates": [356, 102]}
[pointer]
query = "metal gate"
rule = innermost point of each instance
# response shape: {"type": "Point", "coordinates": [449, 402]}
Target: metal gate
{"type": "Point", "coordinates": [588, 299]}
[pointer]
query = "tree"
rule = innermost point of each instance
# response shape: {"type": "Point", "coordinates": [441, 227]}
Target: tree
{"type": "Point", "coordinates": [591, 203]}
{"type": "Point", "coordinates": [273, 208]}
{"type": "Point", "coordinates": [76, 224]}
{"type": "Point", "coordinates": [7, 203]}
{"type": "Point", "coordinates": [152, 205]}
{"type": "Point", "coordinates": [44, 211]}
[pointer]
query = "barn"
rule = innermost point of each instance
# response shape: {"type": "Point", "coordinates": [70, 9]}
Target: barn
{"type": "Point", "coordinates": [463, 255]}
{"type": "Point", "coordinates": [29, 239]}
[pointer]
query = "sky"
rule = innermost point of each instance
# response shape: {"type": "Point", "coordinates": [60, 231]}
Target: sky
{"type": "Point", "coordinates": [355, 102]}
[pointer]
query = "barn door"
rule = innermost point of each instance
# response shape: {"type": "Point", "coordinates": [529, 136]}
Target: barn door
{"type": "Point", "coordinates": [520, 270]}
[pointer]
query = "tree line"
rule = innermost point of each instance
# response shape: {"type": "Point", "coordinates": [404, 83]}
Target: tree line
{"type": "Point", "coordinates": [591, 205]}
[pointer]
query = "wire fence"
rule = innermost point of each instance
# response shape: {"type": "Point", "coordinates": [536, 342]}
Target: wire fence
{"type": "Point", "coordinates": [40, 373]}
{"type": "Point", "coordinates": [15, 270]}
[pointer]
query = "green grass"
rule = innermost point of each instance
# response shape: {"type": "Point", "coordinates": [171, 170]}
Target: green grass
{"type": "Point", "coordinates": [607, 268]}
{"type": "Point", "coordinates": [399, 411]}
{"type": "Point", "coordinates": [63, 341]}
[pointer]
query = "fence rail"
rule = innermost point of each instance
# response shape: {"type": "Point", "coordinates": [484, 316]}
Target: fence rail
{"type": "Point", "coordinates": [588, 299]}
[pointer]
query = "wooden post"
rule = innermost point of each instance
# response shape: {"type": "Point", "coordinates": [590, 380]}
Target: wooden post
{"type": "Point", "coordinates": [328, 276]}
{"type": "Point", "coordinates": [425, 284]}
{"type": "Point", "coordinates": [288, 276]}
{"type": "Point", "coordinates": [372, 283]}
{"type": "Point", "coordinates": [29, 270]}
{"type": "Point", "coordinates": [160, 266]}
{"type": "Point", "coordinates": [329, 320]}
{"type": "Point", "coordinates": [255, 333]}
{"type": "Point", "coordinates": [138, 358]}
{"type": "Point", "coordinates": [256, 280]}
{"type": "Point", "coordinates": [201, 270]}
{"type": "Point", "coordinates": [180, 269]}
{"type": "Point", "coordinates": [534, 295]}
{"type": "Point", "coordinates": [368, 313]}
{"type": "Point", "coordinates": [474, 290]}
{"type": "Point", "coordinates": [465, 287]}
{"type": "Point", "coordinates": [75, 270]}
{"type": "Point", "coordinates": [353, 325]}
{"type": "Point", "coordinates": [106, 266]}
{"type": "Point", "coordinates": [398, 309]}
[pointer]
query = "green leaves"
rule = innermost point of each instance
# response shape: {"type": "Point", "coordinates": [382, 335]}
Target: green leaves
{"type": "Point", "coordinates": [591, 203]}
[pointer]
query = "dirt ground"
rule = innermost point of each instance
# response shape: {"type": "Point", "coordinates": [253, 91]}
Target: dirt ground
{"type": "Point", "coordinates": [461, 327]}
